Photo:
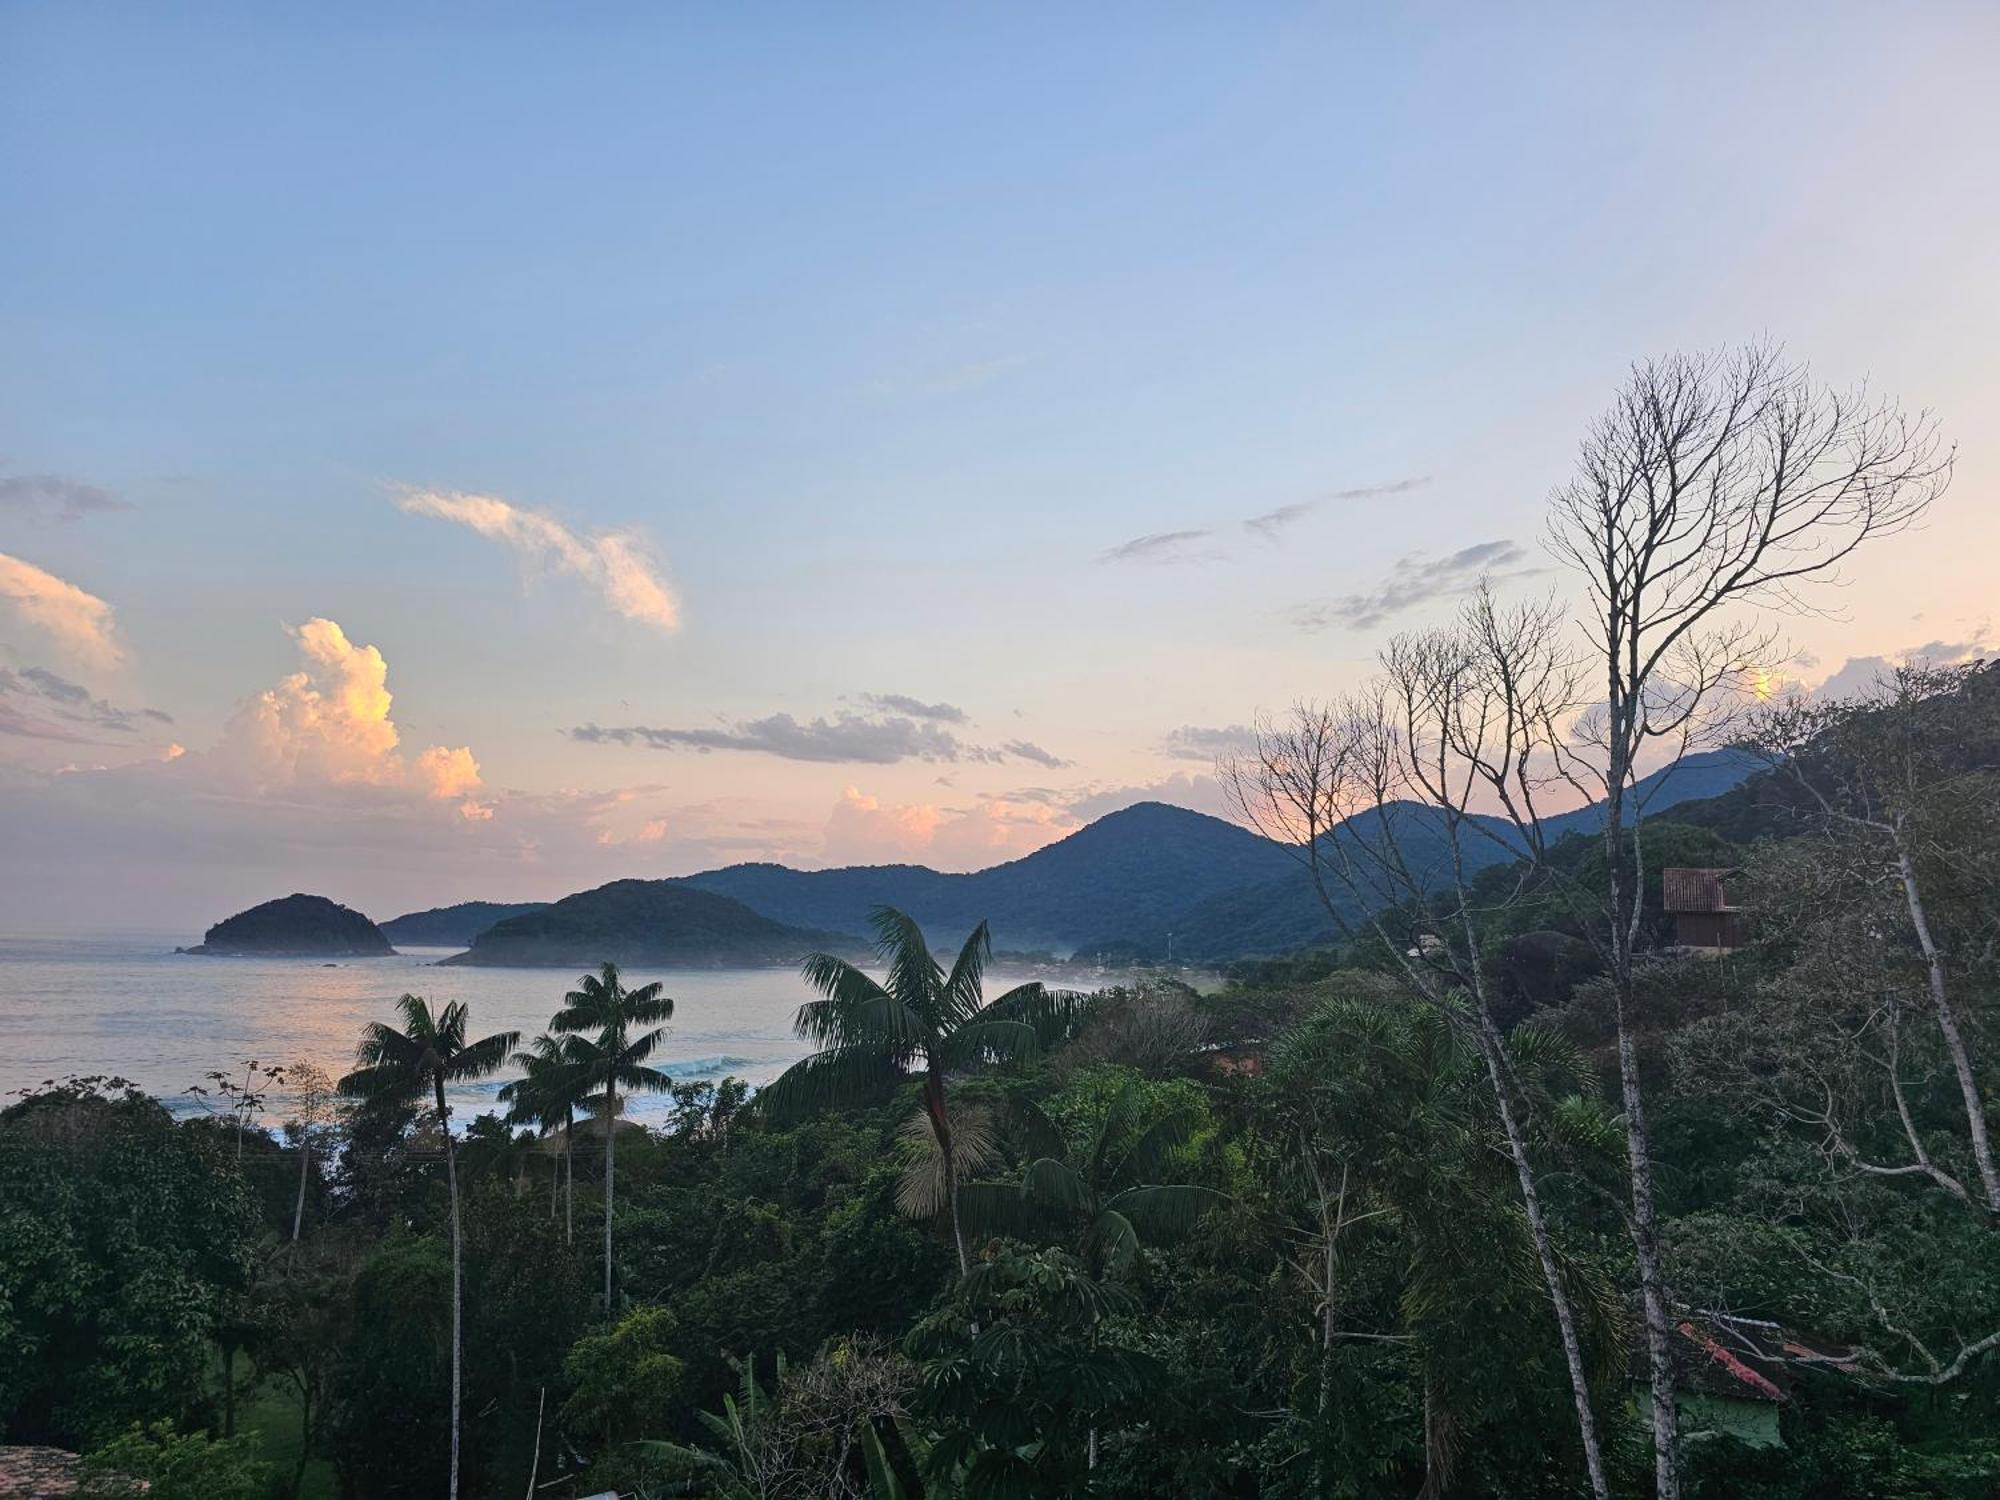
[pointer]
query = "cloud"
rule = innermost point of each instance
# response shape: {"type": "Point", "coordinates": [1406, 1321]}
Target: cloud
{"type": "Point", "coordinates": [64, 710]}
{"type": "Point", "coordinates": [615, 563]}
{"type": "Point", "coordinates": [1029, 750]}
{"type": "Point", "coordinates": [874, 739]}
{"type": "Point", "coordinates": [1199, 793]}
{"type": "Point", "coordinates": [1205, 743]}
{"type": "Point", "coordinates": [915, 708]}
{"type": "Point", "coordinates": [329, 724]}
{"type": "Point", "coordinates": [52, 497]}
{"type": "Point", "coordinates": [863, 829]}
{"type": "Point", "coordinates": [1416, 580]}
{"type": "Point", "coordinates": [80, 623]}
{"type": "Point", "coordinates": [1272, 522]}
{"type": "Point", "coordinates": [1157, 547]}
{"type": "Point", "coordinates": [846, 737]}
{"type": "Point", "coordinates": [1863, 676]}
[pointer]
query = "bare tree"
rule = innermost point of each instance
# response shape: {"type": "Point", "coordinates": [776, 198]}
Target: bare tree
{"type": "Point", "coordinates": [1376, 797]}
{"type": "Point", "coordinates": [314, 1096]}
{"type": "Point", "coordinates": [1907, 780]}
{"type": "Point", "coordinates": [1715, 489]}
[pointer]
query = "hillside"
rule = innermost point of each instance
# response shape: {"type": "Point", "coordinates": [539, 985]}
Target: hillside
{"type": "Point", "coordinates": [641, 921]}
{"type": "Point", "coordinates": [1284, 915]}
{"type": "Point", "coordinates": [1135, 870]}
{"type": "Point", "coordinates": [453, 926]}
{"type": "Point", "coordinates": [296, 926]}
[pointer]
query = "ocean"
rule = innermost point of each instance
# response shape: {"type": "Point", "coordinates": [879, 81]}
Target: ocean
{"type": "Point", "coordinates": [125, 1004]}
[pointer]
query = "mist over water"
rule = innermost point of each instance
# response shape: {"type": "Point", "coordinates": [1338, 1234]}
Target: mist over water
{"type": "Point", "coordinates": [125, 1003]}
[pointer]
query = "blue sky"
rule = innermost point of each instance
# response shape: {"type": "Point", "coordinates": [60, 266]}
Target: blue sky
{"type": "Point", "coordinates": [876, 332]}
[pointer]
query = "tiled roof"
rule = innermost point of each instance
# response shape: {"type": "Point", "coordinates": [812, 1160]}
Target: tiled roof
{"type": "Point", "coordinates": [36, 1473]}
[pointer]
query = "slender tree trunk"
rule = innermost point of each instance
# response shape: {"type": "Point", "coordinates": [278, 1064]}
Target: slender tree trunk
{"type": "Point", "coordinates": [305, 1166]}
{"type": "Point", "coordinates": [305, 1440]}
{"type": "Point", "coordinates": [1625, 912]}
{"type": "Point", "coordinates": [1490, 1052]}
{"type": "Point", "coordinates": [610, 1159]}
{"type": "Point", "coordinates": [941, 1127]}
{"type": "Point", "coordinates": [1947, 1019]}
{"type": "Point", "coordinates": [228, 1390]}
{"type": "Point", "coordinates": [457, 1259]}
{"type": "Point", "coordinates": [535, 1462]}
{"type": "Point", "coordinates": [569, 1184]}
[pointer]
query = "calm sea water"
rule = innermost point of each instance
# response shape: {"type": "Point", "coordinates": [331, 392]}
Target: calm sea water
{"type": "Point", "coordinates": [125, 1003]}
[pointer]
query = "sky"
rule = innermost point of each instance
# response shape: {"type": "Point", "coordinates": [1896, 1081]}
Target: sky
{"type": "Point", "coordinates": [480, 452]}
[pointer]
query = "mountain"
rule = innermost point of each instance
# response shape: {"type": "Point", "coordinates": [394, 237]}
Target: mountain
{"type": "Point", "coordinates": [1130, 871]}
{"type": "Point", "coordinates": [1285, 915]}
{"type": "Point", "coordinates": [641, 921]}
{"type": "Point", "coordinates": [453, 926]}
{"type": "Point", "coordinates": [296, 926]}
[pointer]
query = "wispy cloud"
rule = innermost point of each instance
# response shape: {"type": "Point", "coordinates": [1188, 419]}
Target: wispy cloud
{"type": "Point", "coordinates": [52, 497]}
{"type": "Point", "coordinates": [1416, 580]}
{"type": "Point", "coordinates": [1204, 742]}
{"type": "Point", "coordinates": [915, 708]}
{"type": "Point", "coordinates": [1157, 547]}
{"type": "Point", "coordinates": [846, 738]}
{"type": "Point", "coordinates": [1272, 523]}
{"type": "Point", "coordinates": [1030, 751]}
{"type": "Point", "coordinates": [614, 562]}
{"type": "Point", "coordinates": [64, 710]}
{"type": "Point", "coordinates": [80, 623]}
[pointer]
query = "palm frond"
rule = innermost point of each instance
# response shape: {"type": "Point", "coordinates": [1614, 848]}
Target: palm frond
{"type": "Point", "coordinates": [961, 991]}
{"type": "Point", "coordinates": [987, 1041]}
{"type": "Point", "coordinates": [922, 1190]}
{"type": "Point", "coordinates": [483, 1058]}
{"type": "Point", "coordinates": [384, 1083]}
{"type": "Point", "coordinates": [911, 973]}
{"type": "Point", "coordinates": [1114, 1241]}
{"type": "Point", "coordinates": [1051, 1181]}
{"type": "Point", "coordinates": [832, 1076]}
{"type": "Point", "coordinates": [1054, 1014]}
{"type": "Point", "coordinates": [1165, 1211]}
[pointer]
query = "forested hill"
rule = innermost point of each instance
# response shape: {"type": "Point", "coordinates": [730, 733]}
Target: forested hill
{"type": "Point", "coordinates": [453, 926]}
{"type": "Point", "coordinates": [1134, 877]}
{"type": "Point", "coordinates": [1128, 872]}
{"type": "Point", "coordinates": [1124, 884]}
{"type": "Point", "coordinates": [642, 921]}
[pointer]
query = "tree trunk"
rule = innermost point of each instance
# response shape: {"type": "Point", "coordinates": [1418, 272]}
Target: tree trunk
{"type": "Point", "coordinates": [305, 1166]}
{"type": "Point", "coordinates": [941, 1127]}
{"type": "Point", "coordinates": [1490, 1051]}
{"type": "Point", "coordinates": [535, 1462]}
{"type": "Point", "coordinates": [569, 1182]}
{"type": "Point", "coordinates": [457, 1258]}
{"type": "Point", "coordinates": [228, 1389]}
{"type": "Point", "coordinates": [1947, 1019]}
{"type": "Point", "coordinates": [305, 1440]}
{"type": "Point", "coordinates": [610, 1158]}
{"type": "Point", "coordinates": [1625, 911]}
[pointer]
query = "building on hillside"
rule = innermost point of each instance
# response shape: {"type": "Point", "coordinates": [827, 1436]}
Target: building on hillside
{"type": "Point", "coordinates": [1704, 921]}
{"type": "Point", "coordinates": [1733, 1375]}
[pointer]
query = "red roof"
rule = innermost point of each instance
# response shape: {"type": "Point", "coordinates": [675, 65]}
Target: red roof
{"type": "Point", "coordinates": [1683, 889]}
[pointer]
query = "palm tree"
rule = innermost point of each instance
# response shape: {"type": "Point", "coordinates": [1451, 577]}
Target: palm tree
{"type": "Point", "coordinates": [916, 1016]}
{"type": "Point", "coordinates": [394, 1066]}
{"type": "Point", "coordinates": [1104, 1195]}
{"type": "Point", "coordinates": [601, 1003]}
{"type": "Point", "coordinates": [557, 1072]}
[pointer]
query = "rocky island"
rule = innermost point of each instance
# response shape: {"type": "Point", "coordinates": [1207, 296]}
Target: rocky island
{"type": "Point", "coordinates": [295, 926]}
{"type": "Point", "coordinates": [643, 921]}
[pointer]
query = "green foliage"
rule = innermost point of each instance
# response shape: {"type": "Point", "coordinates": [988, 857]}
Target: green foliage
{"type": "Point", "coordinates": [625, 1380]}
{"type": "Point", "coordinates": [161, 1464]}
{"type": "Point", "coordinates": [122, 1237]}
